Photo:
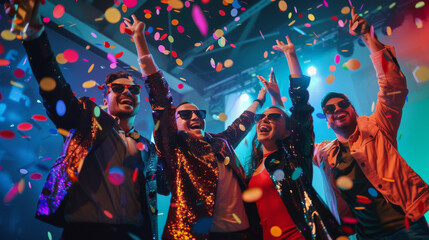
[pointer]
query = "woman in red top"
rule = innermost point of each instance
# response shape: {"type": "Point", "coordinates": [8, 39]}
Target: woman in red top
{"type": "Point", "coordinates": [281, 166]}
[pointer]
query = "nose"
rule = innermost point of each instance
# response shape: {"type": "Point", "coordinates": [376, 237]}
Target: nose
{"type": "Point", "coordinates": [194, 116]}
{"type": "Point", "coordinates": [127, 91]}
{"type": "Point", "coordinates": [265, 119]}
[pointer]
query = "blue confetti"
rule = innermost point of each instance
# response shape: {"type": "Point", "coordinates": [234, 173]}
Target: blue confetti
{"type": "Point", "coordinates": [372, 192]}
{"type": "Point", "coordinates": [320, 115]}
{"type": "Point", "coordinates": [61, 108]}
{"type": "Point", "coordinates": [236, 4]}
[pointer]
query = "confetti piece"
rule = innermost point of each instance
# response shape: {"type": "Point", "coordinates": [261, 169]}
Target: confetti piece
{"type": "Point", "coordinates": [337, 58]}
{"type": "Point", "coordinates": [63, 132]}
{"type": "Point", "coordinates": [161, 48]}
{"type": "Point", "coordinates": [38, 117]}
{"type": "Point", "coordinates": [330, 79]}
{"type": "Point", "coordinates": [407, 223]}
{"type": "Point", "coordinates": [46, 19]}
{"type": "Point", "coordinates": [179, 61]}
{"type": "Point", "coordinates": [221, 12]}
{"type": "Point", "coordinates": [353, 64]}
{"type": "Point", "coordinates": [16, 84]}
{"type": "Point", "coordinates": [7, 134]}
{"type": "Point", "coordinates": [4, 62]}
{"type": "Point", "coordinates": [59, 11]}
{"type": "Point", "coordinates": [237, 219]}
{"type": "Point", "coordinates": [35, 176]}
{"type": "Point", "coordinates": [360, 208]}
{"type": "Point", "coordinates": [19, 73]}
{"type": "Point", "coordinates": [388, 180]}
{"type": "Point", "coordinates": [296, 174]}
{"type": "Point", "coordinates": [218, 33]}
{"type": "Point", "coordinates": [242, 127]}
{"type": "Point", "coordinates": [116, 175]}
{"type": "Point", "coordinates": [276, 231]}
{"type": "Point", "coordinates": [345, 10]}
{"type": "Point", "coordinates": [226, 160]}
{"type": "Point", "coordinates": [228, 63]}
{"type": "Point", "coordinates": [70, 55]}
{"type": "Point", "coordinates": [130, 3]}
{"type": "Point", "coordinates": [108, 214]}
{"type": "Point", "coordinates": [262, 35]}
{"type": "Point", "coordinates": [222, 117]}
{"type": "Point", "coordinates": [252, 194]}
{"type": "Point", "coordinates": [24, 127]}
{"type": "Point", "coordinates": [278, 175]}
{"type": "Point", "coordinates": [372, 192]}
{"type": "Point", "coordinates": [180, 29]}
{"type": "Point", "coordinates": [11, 194]}
{"type": "Point", "coordinates": [171, 39]}
{"type": "Point", "coordinates": [311, 17]}
{"type": "Point", "coordinates": [7, 35]}
{"type": "Point", "coordinates": [363, 199]}
{"type": "Point", "coordinates": [200, 20]}
{"type": "Point", "coordinates": [282, 5]}
{"type": "Point", "coordinates": [418, 22]}
{"type": "Point", "coordinates": [350, 220]}
{"type": "Point", "coordinates": [334, 18]}
{"type": "Point", "coordinates": [135, 174]}
{"type": "Point", "coordinates": [61, 108]}
{"type": "Point", "coordinates": [420, 4]}
{"type": "Point", "coordinates": [180, 86]}
{"type": "Point", "coordinates": [372, 106]}
{"type": "Point", "coordinates": [96, 111]}
{"type": "Point", "coordinates": [89, 84]}
{"type": "Point", "coordinates": [325, 2]}
{"type": "Point", "coordinates": [265, 54]}
{"type": "Point", "coordinates": [23, 171]}
{"type": "Point", "coordinates": [344, 183]}
{"type": "Point", "coordinates": [212, 63]}
{"type": "Point", "coordinates": [332, 68]}
{"type": "Point", "coordinates": [307, 25]}
{"type": "Point", "coordinates": [174, 54]}
{"type": "Point", "coordinates": [112, 15]}
{"type": "Point", "coordinates": [47, 84]}
{"type": "Point", "coordinates": [341, 23]}
{"type": "Point", "coordinates": [176, 4]}
{"type": "Point", "coordinates": [111, 58]}
{"type": "Point", "coordinates": [49, 235]}
{"type": "Point", "coordinates": [221, 42]}
{"type": "Point", "coordinates": [344, 66]}
{"type": "Point", "coordinates": [219, 67]}
{"type": "Point", "coordinates": [140, 146]}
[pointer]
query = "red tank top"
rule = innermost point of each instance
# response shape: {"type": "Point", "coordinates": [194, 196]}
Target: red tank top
{"type": "Point", "coordinates": [272, 211]}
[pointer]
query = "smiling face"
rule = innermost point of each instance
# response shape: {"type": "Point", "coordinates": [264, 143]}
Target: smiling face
{"type": "Point", "coordinates": [123, 104]}
{"type": "Point", "coordinates": [341, 120]}
{"type": "Point", "coordinates": [269, 131]}
{"type": "Point", "coordinates": [195, 126]}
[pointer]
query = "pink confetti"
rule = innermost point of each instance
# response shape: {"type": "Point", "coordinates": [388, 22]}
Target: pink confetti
{"type": "Point", "coordinates": [116, 175]}
{"type": "Point", "coordinates": [46, 19]}
{"type": "Point", "coordinates": [199, 20]}
{"type": "Point", "coordinates": [85, 60]}
{"type": "Point", "coordinates": [122, 28]}
{"type": "Point", "coordinates": [371, 31]}
{"type": "Point", "coordinates": [156, 36]}
{"type": "Point", "coordinates": [341, 23]}
{"type": "Point", "coordinates": [71, 55]}
{"type": "Point", "coordinates": [320, 5]}
{"type": "Point", "coordinates": [19, 73]}
{"type": "Point", "coordinates": [35, 176]}
{"type": "Point", "coordinates": [161, 48]}
{"type": "Point", "coordinates": [337, 58]}
{"type": "Point", "coordinates": [350, 2]}
{"type": "Point", "coordinates": [284, 99]}
{"type": "Point", "coordinates": [180, 29]}
{"type": "Point", "coordinates": [11, 194]}
{"type": "Point", "coordinates": [169, 8]}
{"type": "Point", "coordinates": [111, 58]}
{"type": "Point", "coordinates": [325, 2]}
{"type": "Point", "coordinates": [29, 185]}
{"type": "Point", "coordinates": [295, 9]}
{"type": "Point", "coordinates": [130, 3]}
{"type": "Point", "coordinates": [187, 4]}
{"type": "Point", "coordinates": [180, 85]}
{"type": "Point", "coordinates": [59, 11]}
{"type": "Point", "coordinates": [307, 25]}
{"type": "Point", "coordinates": [95, 35]}
{"type": "Point", "coordinates": [262, 35]}
{"type": "Point", "coordinates": [24, 127]}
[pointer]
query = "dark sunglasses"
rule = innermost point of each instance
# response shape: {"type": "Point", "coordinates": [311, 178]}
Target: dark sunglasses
{"type": "Point", "coordinates": [119, 88]}
{"type": "Point", "coordinates": [271, 117]}
{"type": "Point", "coordinates": [187, 114]}
{"type": "Point", "coordinates": [330, 109]}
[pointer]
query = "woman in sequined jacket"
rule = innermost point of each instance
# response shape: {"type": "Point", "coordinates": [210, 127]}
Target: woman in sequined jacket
{"type": "Point", "coordinates": [281, 164]}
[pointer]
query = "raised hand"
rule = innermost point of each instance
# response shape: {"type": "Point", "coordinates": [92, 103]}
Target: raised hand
{"type": "Point", "coordinates": [358, 25]}
{"type": "Point", "coordinates": [137, 27]}
{"type": "Point", "coordinates": [288, 48]}
{"type": "Point", "coordinates": [272, 88]}
{"type": "Point", "coordinates": [9, 9]}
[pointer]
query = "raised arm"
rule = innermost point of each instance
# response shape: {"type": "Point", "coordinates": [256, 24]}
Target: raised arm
{"type": "Point", "coordinates": [392, 82]}
{"type": "Point", "coordinates": [55, 91]}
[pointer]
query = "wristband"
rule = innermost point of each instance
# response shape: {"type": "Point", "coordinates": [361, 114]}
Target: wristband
{"type": "Point", "coordinates": [259, 101]}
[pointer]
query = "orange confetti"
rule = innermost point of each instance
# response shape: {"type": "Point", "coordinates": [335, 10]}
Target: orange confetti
{"type": "Point", "coordinates": [219, 67]}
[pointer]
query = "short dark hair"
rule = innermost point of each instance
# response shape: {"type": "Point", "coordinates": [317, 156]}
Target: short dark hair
{"type": "Point", "coordinates": [185, 102]}
{"type": "Point", "coordinates": [112, 77]}
{"type": "Point", "coordinates": [331, 95]}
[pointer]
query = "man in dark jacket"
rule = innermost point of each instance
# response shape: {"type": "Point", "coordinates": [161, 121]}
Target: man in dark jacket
{"type": "Point", "coordinates": [105, 183]}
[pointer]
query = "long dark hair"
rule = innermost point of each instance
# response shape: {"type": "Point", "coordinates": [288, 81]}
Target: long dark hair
{"type": "Point", "coordinates": [256, 157]}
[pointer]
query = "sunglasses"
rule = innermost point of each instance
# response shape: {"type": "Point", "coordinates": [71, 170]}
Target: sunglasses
{"type": "Point", "coordinates": [330, 109]}
{"type": "Point", "coordinates": [187, 114]}
{"type": "Point", "coordinates": [271, 117]}
{"type": "Point", "coordinates": [119, 88]}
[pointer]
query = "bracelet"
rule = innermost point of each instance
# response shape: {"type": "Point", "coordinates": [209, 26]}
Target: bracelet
{"type": "Point", "coordinates": [259, 101]}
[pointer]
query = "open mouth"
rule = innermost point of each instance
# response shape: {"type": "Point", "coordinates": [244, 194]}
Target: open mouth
{"type": "Point", "coordinates": [127, 102]}
{"type": "Point", "coordinates": [264, 128]}
{"type": "Point", "coordinates": [340, 116]}
{"type": "Point", "coordinates": [196, 126]}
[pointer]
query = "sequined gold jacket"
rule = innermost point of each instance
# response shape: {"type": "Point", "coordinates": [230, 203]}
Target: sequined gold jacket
{"type": "Point", "coordinates": [87, 126]}
{"type": "Point", "coordinates": [190, 164]}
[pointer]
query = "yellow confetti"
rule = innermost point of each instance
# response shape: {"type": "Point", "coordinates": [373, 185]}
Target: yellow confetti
{"type": "Point", "coordinates": [183, 79]}
{"type": "Point", "coordinates": [222, 117]}
{"type": "Point", "coordinates": [134, 68]}
{"type": "Point", "coordinates": [388, 30]}
{"type": "Point", "coordinates": [47, 84]}
{"type": "Point", "coordinates": [228, 63]}
{"type": "Point", "coordinates": [311, 17]}
{"type": "Point", "coordinates": [63, 132]}
{"type": "Point", "coordinates": [60, 59]}
{"type": "Point", "coordinates": [98, 125]}
{"type": "Point", "coordinates": [89, 84]}
{"type": "Point", "coordinates": [16, 84]}
{"type": "Point", "coordinates": [226, 160]}
{"type": "Point", "coordinates": [112, 15]}
{"type": "Point", "coordinates": [242, 127]}
{"type": "Point", "coordinates": [157, 125]}
{"type": "Point", "coordinates": [290, 24]}
{"type": "Point", "coordinates": [289, 15]}
{"type": "Point", "coordinates": [237, 219]}
{"type": "Point", "coordinates": [345, 10]}
{"type": "Point", "coordinates": [344, 183]}
{"type": "Point", "coordinates": [219, 33]}
{"type": "Point", "coordinates": [252, 194]}
{"type": "Point", "coordinates": [388, 180]}
{"type": "Point", "coordinates": [98, 19]}
{"type": "Point", "coordinates": [276, 231]}
{"type": "Point", "coordinates": [8, 35]}
{"type": "Point", "coordinates": [21, 186]}
{"type": "Point", "coordinates": [197, 44]}
{"type": "Point", "coordinates": [88, 47]}
{"type": "Point", "coordinates": [90, 68]}
{"type": "Point", "coordinates": [282, 5]}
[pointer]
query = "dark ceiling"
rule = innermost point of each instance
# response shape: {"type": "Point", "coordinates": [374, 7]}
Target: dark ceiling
{"type": "Point", "coordinates": [247, 40]}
